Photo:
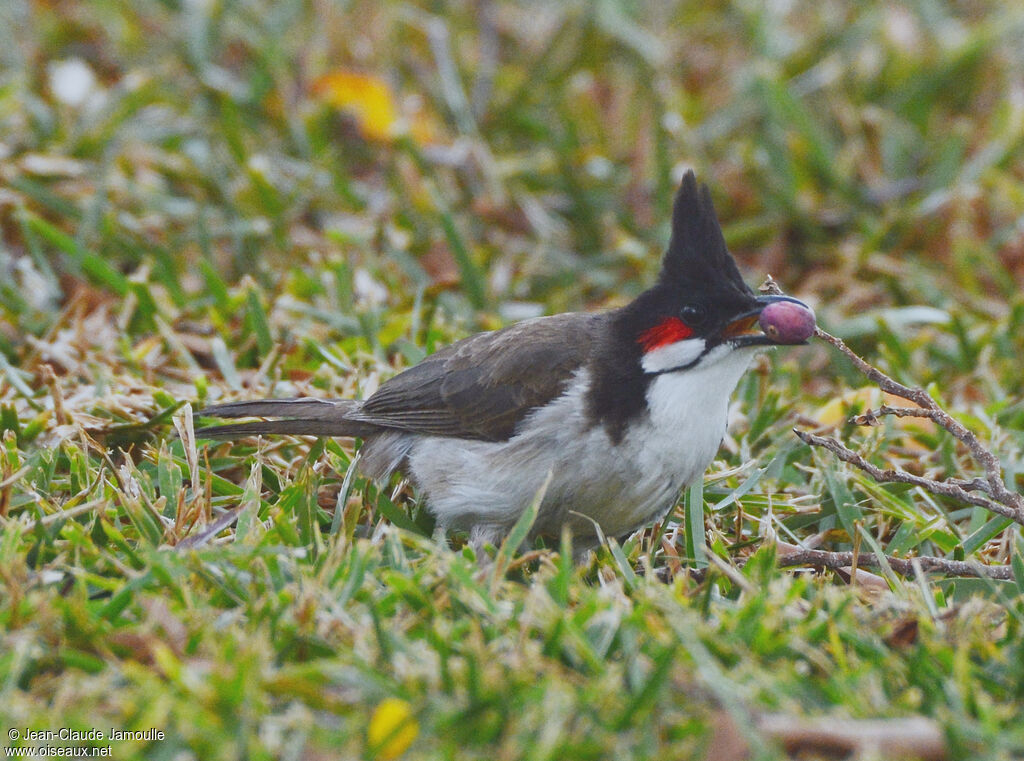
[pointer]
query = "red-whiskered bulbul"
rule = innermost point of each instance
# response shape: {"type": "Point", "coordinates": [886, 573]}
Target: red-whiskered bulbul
{"type": "Point", "coordinates": [623, 408]}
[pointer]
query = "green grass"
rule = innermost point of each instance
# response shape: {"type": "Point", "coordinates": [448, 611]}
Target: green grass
{"type": "Point", "coordinates": [208, 227]}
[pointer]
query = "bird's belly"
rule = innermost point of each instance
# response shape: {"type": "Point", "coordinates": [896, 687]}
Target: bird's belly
{"type": "Point", "coordinates": [620, 487]}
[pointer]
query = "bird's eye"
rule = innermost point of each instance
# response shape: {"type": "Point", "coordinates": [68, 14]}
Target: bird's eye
{"type": "Point", "coordinates": [694, 315]}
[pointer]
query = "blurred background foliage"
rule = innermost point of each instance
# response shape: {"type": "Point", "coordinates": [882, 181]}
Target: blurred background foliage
{"type": "Point", "coordinates": [866, 152]}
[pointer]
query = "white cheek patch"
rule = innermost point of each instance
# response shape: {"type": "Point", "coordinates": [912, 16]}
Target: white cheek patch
{"type": "Point", "coordinates": [672, 356]}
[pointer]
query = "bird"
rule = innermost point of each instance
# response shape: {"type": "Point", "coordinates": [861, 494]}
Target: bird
{"type": "Point", "coordinates": [604, 417]}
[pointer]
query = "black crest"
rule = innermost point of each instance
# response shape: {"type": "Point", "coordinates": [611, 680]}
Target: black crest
{"type": "Point", "coordinates": [697, 258]}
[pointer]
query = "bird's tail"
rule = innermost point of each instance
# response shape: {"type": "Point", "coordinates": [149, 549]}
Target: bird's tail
{"type": "Point", "coordinates": [304, 417]}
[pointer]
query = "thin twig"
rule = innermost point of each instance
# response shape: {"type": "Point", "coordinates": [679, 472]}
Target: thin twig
{"type": "Point", "coordinates": [897, 475]}
{"type": "Point", "coordinates": [918, 396]}
{"type": "Point", "coordinates": [913, 737]}
{"type": "Point", "coordinates": [902, 566]}
{"type": "Point", "coordinates": [1006, 502]}
{"type": "Point", "coordinates": [844, 561]}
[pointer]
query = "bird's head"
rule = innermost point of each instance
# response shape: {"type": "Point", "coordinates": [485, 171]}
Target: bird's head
{"type": "Point", "coordinates": [700, 310]}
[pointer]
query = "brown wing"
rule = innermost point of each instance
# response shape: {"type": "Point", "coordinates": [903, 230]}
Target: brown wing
{"type": "Point", "coordinates": [482, 386]}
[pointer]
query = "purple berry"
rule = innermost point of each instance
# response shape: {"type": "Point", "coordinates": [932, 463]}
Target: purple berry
{"type": "Point", "coordinates": [787, 322]}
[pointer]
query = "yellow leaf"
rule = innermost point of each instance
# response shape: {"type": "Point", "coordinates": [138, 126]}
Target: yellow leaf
{"type": "Point", "coordinates": [392, 729]}
{"type": "Point", "coordinates": [365, 97]}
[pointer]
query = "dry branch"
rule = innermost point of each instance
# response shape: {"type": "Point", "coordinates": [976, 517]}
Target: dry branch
{"type": "Point", "coordinates": [1002, 500]}
{"type": "Point", "coordinates": [913, 737]}
{"type": "Point", "coordinates": [952, 489]}
{"type": "Point", "coordinates": [843, 561]}
{"type": "Point", "coordinates": [902, 566]}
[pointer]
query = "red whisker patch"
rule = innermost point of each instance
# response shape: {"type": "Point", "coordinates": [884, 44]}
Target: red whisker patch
{"type": "Point", "coordinates": [668, 331]}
